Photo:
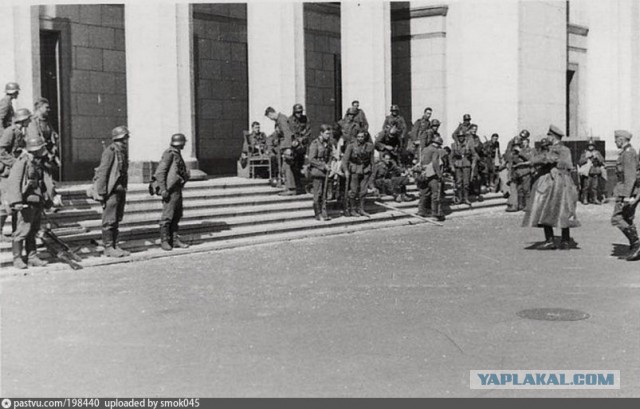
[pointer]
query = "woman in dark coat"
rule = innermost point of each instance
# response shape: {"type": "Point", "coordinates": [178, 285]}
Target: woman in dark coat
{"type": "Point", "coordinates": [554, 194]}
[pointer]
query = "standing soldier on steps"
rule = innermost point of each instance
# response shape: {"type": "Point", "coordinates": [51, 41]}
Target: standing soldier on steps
{"type": "Point", "coordinates": [172, 174]}
{"type": "Point", "coordinates": [29, 191]}
{"type": "Point", "coordinates": [299, 124]}
{"type": "Point", "coordinates": [357, 164]}
{"type": "Point", "coordinates": [625, 189]}
{"type": "Point", "coordinates": [111, 185]}
{"type": "Point", "coordinates": [464, 159]}
{"type": "Point", "coordinates": [12, 143]}
{"type": "Point", "coordinates": [12, 90]}
{"type": "Point", "coordinates": [286, 135]}
{"type": "Point", "coordinates": [430, 181]}
{"type": "Point", "coordinates": [40, 125]}
{"type": "Point", "coordinates": [320, 155]}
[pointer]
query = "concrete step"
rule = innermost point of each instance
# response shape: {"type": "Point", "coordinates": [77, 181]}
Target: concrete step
{"type": "Point", "coordinates": [142, 239]}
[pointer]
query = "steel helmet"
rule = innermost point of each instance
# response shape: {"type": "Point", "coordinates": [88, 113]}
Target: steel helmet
{"type": "Point", "coordinates": [119, 132]}
{"type": "Point", "coordinates": [178, 139]}
{"type": "Point", "coordinates": [22, 114]}
{"type": "Point", "coordinates": [525, 134]}
{"type": "Point", "coordinates": [435, 122]}
{"type": "Point", "coordinates": [34, 143]}
{"type": "Point", "coordinates": [437, 140]}
{"type": "Point", "coordinates": [11, 88]}
{"type": "Point", "coordinates": [298, 108]}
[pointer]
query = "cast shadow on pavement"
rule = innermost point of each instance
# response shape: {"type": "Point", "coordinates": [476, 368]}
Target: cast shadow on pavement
{"type": "Point", "coordinates": [538, 245]}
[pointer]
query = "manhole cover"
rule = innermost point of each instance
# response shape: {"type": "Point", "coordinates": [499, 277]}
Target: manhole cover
{"type": "Point", "coordinates": [553, 314]}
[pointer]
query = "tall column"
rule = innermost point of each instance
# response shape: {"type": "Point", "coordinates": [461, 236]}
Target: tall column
{"type": "Point", "coordinates": [275, 34]}
{"type": "Point", "coordinates": [20, 51]}
{"type": "Point", "coordinates": [159, 83]}
{"type": "Point", "coordinates": [366, 58]}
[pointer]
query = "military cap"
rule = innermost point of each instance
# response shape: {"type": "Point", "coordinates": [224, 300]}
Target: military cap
{"type": "Point", "coordinates": [119, 132]}
{"type": "Point", "coordinates": [545, 142]}
{"type": "Point", "coordinates": [496, 135]}
{"type": "Point", "coordinates": [622, 134]}
{"type": "Point", "coordinates": [394, 107]}
{"type": "Point", "coordinates": [461, 133]}
{"type": "Point", "coordinates": [466, 117]}
{"type": "Point", "coordinates": [11, 88]}
{"type": "Point", "coordinates": [555, 131]}
{"type": "Point", "coordinates": [352, 111]}
{"type": "Point", "coordinates": [435, 122]}
{"type": "Point", "coordinates": [524, 134]}
{"type": "Point", "coordinates": [22, 114]}
{"type": "Point", "coordinates": [298, 108]}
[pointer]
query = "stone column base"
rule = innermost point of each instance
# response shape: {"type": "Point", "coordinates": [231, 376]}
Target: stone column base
{"type": "Point", "coordinates": [141, 172]}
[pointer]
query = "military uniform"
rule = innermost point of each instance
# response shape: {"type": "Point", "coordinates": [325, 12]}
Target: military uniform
{"type": "Point", "coordinates": [493, 159]}
{"type": "Point", "coordinates": [461, 128]}
{"type": "Point", "coordinates": [6, 112]}
{"type": "Point", "coordinates": [255, 144]}
{"type": "Point", "coordinates": [348, 131]}
{"type": "Point", "coordinates": [41, 126]}
{"type": "Point", "coordinates": [622, 218]}
{"type": "Point", "coordinates": [389, 180]}
{"type": "Point", "coordinates": [358, 161]}
{"type": "Point", "coordinates": [12, 143]}
{"type": "Point", "coordinates": [418, 136]}
{"type": "Point", "coordinates": [522, 172]}
{"type": "Point", "coordinates": [386, 142]}
{"type": "Point", "coordinates": [320, 155]}
{"type": "Point", "coordinates": [464, 157]}
{"type": "Point", "coordinates": [594, 161]}
{"type": "Point", "coordinates": [361, 119]}
{"type": "Point", "coordinates": [290, 163]}
{"type": "Point", "coordinates": [399, 122]}
{"type": "Point", "coordinates": [171, 175]}
{"type": "Point", "coordinates": [111, 184]}
{"type": "Point", "coordinates": [29, 190]}
{"type": "Point", "coordinates": [430, 182]}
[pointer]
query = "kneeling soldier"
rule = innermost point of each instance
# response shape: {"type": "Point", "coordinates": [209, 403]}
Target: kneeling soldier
{"type": "Point", "coordinates": [29, 190]}
{"type": "Point", "coordinates": [172, 174]}
{"type": "Point", "coordinates": [111, 185]}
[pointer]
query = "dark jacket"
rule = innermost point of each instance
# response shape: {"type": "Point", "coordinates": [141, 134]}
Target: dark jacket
{"type": "Point", "coordinates": [284, 130]}
{"type": "Point", "coordinates": [254, 143]}
{"type": "Point", "coordinates": [463, 154]}
{"type": "Point", "coordinates": [358, 158]}
{"type": "Point", "coordinates": [12, 143]}
{"type": "Point", "coordinates": [114, 165]}
{"type": "Point", "coordinates": [400, 123]}
{"type": "Point", "coordinates": [361, 119]}
{"type": "Point", "coordinates": [6, 112]}
{"type": "Point", "coordinates": [29, 183]}
{"type": "Point", "coordinates": [172, 173]}
{"type": "Point", "coordinates": [431, 156]}
{"type": "Point", "coordinates": [626, 166]}
{"type": "Point", "coordinates": [319, 157]}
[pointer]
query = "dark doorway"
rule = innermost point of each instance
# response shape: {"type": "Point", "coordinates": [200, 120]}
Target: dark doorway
{"type": "Point", "coordinates": [572, 101]}
{"type": "Point", "coordinates": [50, 80]}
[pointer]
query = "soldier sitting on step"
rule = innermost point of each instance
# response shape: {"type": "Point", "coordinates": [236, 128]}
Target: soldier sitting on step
{"type": "Point", "coordinates": [390, 179]}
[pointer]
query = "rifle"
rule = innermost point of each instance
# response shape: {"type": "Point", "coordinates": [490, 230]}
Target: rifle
{"type": "Point", "coordinates": [388, 206]}
{"type": "Point", "coordinates": [325, 188]}
{"type": "Point", "coordinates": [58, 248]}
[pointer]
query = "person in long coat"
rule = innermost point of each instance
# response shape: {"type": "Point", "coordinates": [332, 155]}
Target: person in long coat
{"type": "Point", "coordinates": [554, 194]}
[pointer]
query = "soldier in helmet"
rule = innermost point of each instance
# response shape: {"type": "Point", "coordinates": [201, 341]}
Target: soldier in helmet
{"type": "Point", "coordinates": [512, 202]}
{"type": "Point", "coordinates": [464, 159]}
{"type": "Point", "coordinates": [430, 180]}
{"type": "Point", "coordinates": [172, 174]}
{"type": "Point", "coordinates": [286, 136]}
{"type": "Point", "coordinates": [29, 191]}
{"type": "Point", "coordinates": [522, 169]}
{"type": "Point", "coordinates": [299, 124]}
{"type": "Point", "coordinates": [12, 90]}
{"type": "Point", "coordinates": [462, 127]}
{"type": "Point", "coordinates": [389, 140]}
{"type": "Point", "coordinates": [591, 167]}
{"type": "Point", "coordinates": [396, 120]}
{"type": "Point", "coordinates": [390, 179]}
{"type": "Point", "coordinates": [12, 143]}
{"type": "Point", "coordinates": [349, 128]}
{"type": "Point", "coordinates": [357, 164]}
{"type": "Point", "coordinates": [111, 185]}
{"type": "Point", "coordinates": [40, 125]}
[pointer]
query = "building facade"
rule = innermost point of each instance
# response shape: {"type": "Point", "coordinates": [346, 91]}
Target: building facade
{"type": "Point", "coordinates": [208, 70]}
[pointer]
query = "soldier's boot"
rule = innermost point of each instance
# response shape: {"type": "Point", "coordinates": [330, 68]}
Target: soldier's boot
{"type": "Point", "coordinates": [3, 220]}
{"type": "Point", "coordinates": [316, 211]}
{"type": "Point", "coordinates": [175, 240]}
{"type": "Point", "coordinates": [18, 262]}
{"type": "Point", "coordinates": [361, 210]}
{"type": "Point", "coordinates": [634, 242]}
{"type": "Point", "coordinates": [32, 255]}
{"type": "Point", "coordinates": [124, 253]}
{"type": "Point", "coordinates": [465, 197]}
{"type": "Point", "coordinates": [165, 238]}
{"type": "Point", "coordinates": [347, 208]}
{"type": "Point", "coordinates": [565, 242]}
{"type": "Point", "coordinates": [107, 240]}
{"type": "Point", "coordinates": [323, 213]}
{"type": "Point", "coordinates": [354, 207]}
{"type": "Point", "coordinates": [549, 243]}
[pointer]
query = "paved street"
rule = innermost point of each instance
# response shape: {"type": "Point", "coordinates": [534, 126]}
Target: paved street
{"type": "Point", "coordinates": [387, 313]}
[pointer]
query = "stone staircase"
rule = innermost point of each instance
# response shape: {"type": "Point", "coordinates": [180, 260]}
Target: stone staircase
{"type": "Point", "coordinates": [219, 213]}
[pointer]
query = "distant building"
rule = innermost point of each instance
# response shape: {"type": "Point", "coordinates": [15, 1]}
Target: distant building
{"type": "Point", "coordinates": [208, 70]}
